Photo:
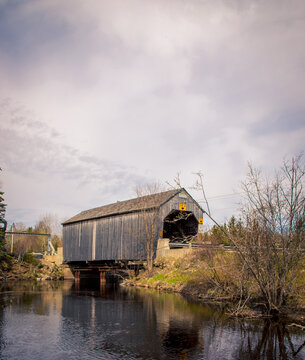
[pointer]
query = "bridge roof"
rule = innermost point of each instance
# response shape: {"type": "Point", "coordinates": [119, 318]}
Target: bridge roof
{"type": "Point", "coordinates": [128, 206]}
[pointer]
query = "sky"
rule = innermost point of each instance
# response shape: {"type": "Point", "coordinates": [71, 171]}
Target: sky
{"type": "Point", "coordinates": [98, 97]}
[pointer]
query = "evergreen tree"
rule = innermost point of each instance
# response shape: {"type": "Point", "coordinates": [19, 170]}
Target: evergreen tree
{"type": "Point", "coordinates": [3, 223]}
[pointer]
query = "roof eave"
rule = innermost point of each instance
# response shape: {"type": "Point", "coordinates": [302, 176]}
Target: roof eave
{"type": "Point", "coordinates": [109, 215]}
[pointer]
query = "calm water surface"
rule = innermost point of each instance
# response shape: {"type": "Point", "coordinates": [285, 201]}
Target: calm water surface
{"type": "Point", "coordinates": [55, 320]}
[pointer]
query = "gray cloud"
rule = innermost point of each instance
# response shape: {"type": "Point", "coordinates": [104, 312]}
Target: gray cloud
{"type": "Point", "coordinates": [118, 89]}
{"type": "Point", "coordinates": [287, 121]}
{"type": "Point", "coordinates": [30, 151]}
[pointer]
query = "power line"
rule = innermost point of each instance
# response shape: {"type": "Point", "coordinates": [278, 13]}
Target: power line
{"type": "Point", "coordinates": [224, 195]}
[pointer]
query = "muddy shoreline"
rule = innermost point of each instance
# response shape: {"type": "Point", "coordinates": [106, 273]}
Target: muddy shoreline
{"type": "Point", "coordinates": [291, 315]}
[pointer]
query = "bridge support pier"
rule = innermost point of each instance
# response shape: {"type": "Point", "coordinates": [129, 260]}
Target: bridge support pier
{"type": "Point", "coordinates": [92, 271]}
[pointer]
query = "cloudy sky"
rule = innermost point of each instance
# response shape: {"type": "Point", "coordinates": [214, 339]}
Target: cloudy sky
{"type": "Point", "coordinates": [97, 97]}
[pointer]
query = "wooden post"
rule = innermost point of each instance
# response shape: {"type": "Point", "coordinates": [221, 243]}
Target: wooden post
{"type": "Point", "coordinates": [77, 279]}
{"type": "Point", "coordinates": [77, 285]}
{"type": "Point", "coordinates": [102, 276]}
{"type": "Point", "coordinates": [77, 275]}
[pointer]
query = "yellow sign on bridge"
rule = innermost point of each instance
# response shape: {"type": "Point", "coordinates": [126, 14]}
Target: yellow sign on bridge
{"type": "Point", "coordinates": [182, 207]}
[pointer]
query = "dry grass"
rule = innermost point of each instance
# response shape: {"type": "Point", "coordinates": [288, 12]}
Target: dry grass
{"type": "Point", "coordinates": [26, 271]}
{"type": "Point", "coordinates": [213, 275]}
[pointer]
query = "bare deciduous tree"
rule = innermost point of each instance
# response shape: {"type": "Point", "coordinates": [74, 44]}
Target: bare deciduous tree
{"type": "Point", "coordinates": [149, 217]}
{"type": "Point", "coordinates": [150, 227]}
{"type": "Point", "coordinates": [22, 243]}
{"type": "Point", "coordinates": [273, 235]}
{"type": "Point", "coordinates": [49, 224]}
{"type": "Point", "coordinates": [274, 230]}
{"type": "Point", "coordinates": [149, 189]}
{"type": "Point", "coordinates": [199, 187]}
{"type": "Point", "coordinates": [176, 184]}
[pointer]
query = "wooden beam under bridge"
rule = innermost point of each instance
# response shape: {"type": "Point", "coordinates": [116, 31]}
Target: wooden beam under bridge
{"type": "Point", "coordinates": [101, 269]}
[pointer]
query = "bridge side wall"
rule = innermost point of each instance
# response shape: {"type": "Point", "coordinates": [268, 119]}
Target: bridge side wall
{"type": "Point", "coordinates": [120, 237]}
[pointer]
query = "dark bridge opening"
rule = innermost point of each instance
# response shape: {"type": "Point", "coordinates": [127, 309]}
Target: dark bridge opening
{"type": "Point", "coordinates": [180, 226]}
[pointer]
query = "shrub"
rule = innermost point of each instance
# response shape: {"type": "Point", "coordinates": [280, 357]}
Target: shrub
{"type": "Point", "coordinates": [30, 258]}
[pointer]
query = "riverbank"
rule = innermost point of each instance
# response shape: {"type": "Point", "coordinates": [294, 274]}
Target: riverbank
{"type": "Point", "coordinates": [215, 276]}
{"type": "Point", "coordinates": [12, 269]}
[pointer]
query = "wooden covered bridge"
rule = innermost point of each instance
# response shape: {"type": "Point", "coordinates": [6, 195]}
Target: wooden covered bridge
{"type": "Point", "coordinates": [113, 235]}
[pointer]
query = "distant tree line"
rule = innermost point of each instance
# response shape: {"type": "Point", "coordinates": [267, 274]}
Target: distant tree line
{"type": "Point", "coordinates": [21, 244]}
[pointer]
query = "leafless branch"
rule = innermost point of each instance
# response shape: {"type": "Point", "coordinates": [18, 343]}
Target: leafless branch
{"type": "Point", "coordinates": [199, 186]}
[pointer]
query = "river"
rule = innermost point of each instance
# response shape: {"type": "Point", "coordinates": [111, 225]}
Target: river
{"type": "Point", "coordinates": [56, 320]}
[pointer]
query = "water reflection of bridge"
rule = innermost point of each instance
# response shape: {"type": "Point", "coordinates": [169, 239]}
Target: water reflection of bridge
{"type": "Point", "coordinates": [104, 321]}
{"type": "Point", "coordinates": [93, 271]}
{"type": "Point", "coordinates": [149, 324]}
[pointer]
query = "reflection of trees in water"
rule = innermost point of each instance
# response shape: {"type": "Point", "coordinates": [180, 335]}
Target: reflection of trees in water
{"type": "Point", "coordinates": [274, 342]}
{"type": "Point", "coordinates": [142, 324]}
{"type": "Point", "coordinates": [38, 297]}
{"type": "Point", "coordinates": [178, 323]}
{"type": "Point", "coordinates": [181, 337]}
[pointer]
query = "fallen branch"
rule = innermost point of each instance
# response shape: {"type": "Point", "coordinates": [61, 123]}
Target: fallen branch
{"type": "Point", "coordinates": [297, 325]}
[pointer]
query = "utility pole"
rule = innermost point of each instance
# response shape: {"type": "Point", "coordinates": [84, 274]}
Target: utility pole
{"type": "Point", "coordinates": [12, 243]}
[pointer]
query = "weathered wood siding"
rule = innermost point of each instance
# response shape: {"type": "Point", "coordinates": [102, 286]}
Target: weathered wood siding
{"type": "Point", "coordinates": [70, 241]}
{"type": "Point", "coordinates": [78, 241]}
{"type": "Point", "coordinates": [85, 240]}
{"type": "Point", "coordinates": [118, 237]}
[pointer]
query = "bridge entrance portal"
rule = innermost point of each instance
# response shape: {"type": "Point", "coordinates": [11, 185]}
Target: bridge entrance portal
{"type": "Point", "coordinates": [180, 226]}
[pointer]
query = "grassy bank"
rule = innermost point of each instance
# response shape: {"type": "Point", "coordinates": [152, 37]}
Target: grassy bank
{"type": "Point", "coordinates": [217, 276]}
